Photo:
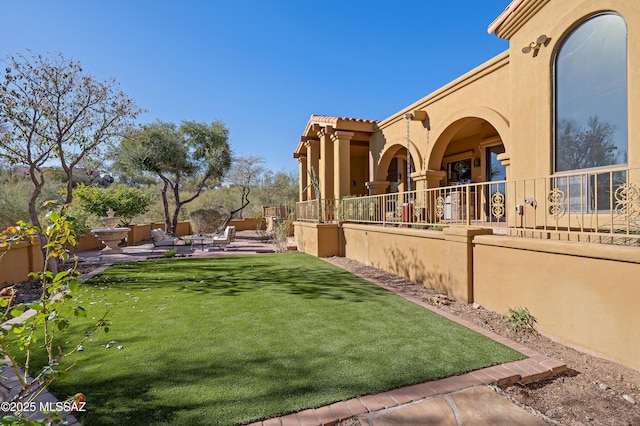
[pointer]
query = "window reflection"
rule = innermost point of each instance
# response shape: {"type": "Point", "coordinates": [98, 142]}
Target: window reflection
{"type": "Point", "coordinates": [591, 95]}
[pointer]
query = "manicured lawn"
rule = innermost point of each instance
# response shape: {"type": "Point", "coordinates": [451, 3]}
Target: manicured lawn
{"type": "Point", "coordinates": [230, 340]}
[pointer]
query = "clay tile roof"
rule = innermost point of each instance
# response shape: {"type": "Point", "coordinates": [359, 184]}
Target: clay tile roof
{"type": "Point", "coordinates": [334, 119]}
{"type": "Point", "coordinates": [503, 16]}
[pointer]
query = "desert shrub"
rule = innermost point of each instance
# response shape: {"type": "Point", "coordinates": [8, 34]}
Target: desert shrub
{"type": "Point", "coordinates": [519, 319]}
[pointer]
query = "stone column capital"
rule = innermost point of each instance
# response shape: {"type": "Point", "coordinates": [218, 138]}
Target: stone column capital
{"type": "Point", "coordinates": [377, 186]}
{"type": "Point", "coordinates": [311, 143]}
{"type": "Point", "coordinates": [341, 135]}
{"type": "Point", "coordinates": [325, 131]}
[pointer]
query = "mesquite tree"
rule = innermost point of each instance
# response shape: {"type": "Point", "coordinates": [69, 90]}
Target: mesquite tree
{"type": "Point", "coordinates": [186, 158]}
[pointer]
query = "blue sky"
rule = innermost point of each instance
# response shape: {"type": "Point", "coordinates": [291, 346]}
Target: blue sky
{"type": "Point", "coordinates": [262, 67]}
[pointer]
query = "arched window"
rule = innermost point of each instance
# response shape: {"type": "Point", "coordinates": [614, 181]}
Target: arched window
{"type": "Point", "coordinates": [591, 95]}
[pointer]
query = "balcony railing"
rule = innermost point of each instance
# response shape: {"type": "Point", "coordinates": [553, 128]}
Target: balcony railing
{"type": "Point", "coordinates": [597, 206]}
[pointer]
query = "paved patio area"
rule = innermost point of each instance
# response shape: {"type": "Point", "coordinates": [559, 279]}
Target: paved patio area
{"type": "Point", "coordinates": [247, 242]}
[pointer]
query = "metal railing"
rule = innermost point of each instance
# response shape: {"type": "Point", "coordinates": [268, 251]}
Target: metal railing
{"type": "Point", "coordinates": [597, 206]}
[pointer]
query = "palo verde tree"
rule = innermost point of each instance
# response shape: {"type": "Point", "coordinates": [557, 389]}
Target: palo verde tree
{"type": "Point", "coordinates": [54, 113]}
{"type": "Point", "coordinates": [186, 158]}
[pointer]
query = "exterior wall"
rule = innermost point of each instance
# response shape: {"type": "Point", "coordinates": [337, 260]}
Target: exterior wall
{"type": "Point", "coordinates": [441, 260]}
{"type": "Point", "coordinates": [88, 242]}
{"type": "Point", "coordinates": [139, 233]}
{"type": "Point", "coordinates": [183, 228]}
{"type": "Point", "coordinates": [417, 255]}
{"type": "Point", "coordinates": [531, 90]}
{"type": "Point", "coordinates": [23, 258]}
{"type": "Point", "coordinates": [318, 239]}
{"type": "Point", "coordinates": [582, 294]}
{"type": "Point", "coordinates": [16, 263]}
{"type": "Point", "coordinates": [248, 224]}
{"type": "Point", "coordinates": [476, 94]}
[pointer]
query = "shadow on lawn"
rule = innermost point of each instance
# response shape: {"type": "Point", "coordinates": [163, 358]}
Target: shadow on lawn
{"type": "Point", "coordinates": [295, 274]}
{"type": "Point", "coordinates": [235, 390]}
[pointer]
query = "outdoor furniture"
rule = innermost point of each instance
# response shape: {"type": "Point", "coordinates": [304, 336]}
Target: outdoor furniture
{"type": "Point", "coordinates": [193, 239]}
{"type": "Point", "coordinates": [161, 239]}
{"type": "Point", "coordinates": [226, 238]}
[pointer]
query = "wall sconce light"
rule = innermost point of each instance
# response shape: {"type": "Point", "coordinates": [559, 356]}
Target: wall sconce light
{"type": "Point", "coordinates": [535, 46]}
{"type": "Point", "coordinates": [476, 162]}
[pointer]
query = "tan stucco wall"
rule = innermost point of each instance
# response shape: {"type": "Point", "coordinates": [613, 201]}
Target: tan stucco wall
{"type": "Point", "coordinates": [512, 92]}
{"type": "Point", "coordinates": [407, 252]}
{"type": "Point", "coordinates": [21, 259]}
{"type": "Point", "coordinates": [582, 294]}
{"type": "Point", "coordinates": [531, 90]}
{"type": "Point", "coordinates": [481, 93]}
{"type": "Point", "coordinates": [318, 239]}
{"type": "Point", "coordinates": [16, 263]}
{"type": "Point", "coordinates": [441, 260]}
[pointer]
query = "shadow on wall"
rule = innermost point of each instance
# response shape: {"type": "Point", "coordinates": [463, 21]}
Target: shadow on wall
{"type": "Point", "coordinates": [408, 264]}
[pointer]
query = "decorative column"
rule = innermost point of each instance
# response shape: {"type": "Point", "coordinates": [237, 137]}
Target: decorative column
{"type": "Point", "coordinates": [313, 157]}
{"type": "Point", "coordinates": [303, 181]}
{"type": "Point", "coordinates": [425, 202]}
{"type": "Point", "coordinates": [377, 187]}
{"type": "Point", "coordinates": [341, 163]}
{"type": "Point", "coordinates": [426, 179]}
{"type": "Point", "coordinates": [326, 172]}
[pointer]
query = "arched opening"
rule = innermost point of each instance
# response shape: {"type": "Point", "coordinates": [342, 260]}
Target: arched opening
{"type": "Point", "coordinates": [393, 168]}
{"type": "Point", "coordinates": [467, 151]}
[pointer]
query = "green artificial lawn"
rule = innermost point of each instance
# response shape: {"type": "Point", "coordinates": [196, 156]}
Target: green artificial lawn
{"type": "Point", "coordinates": [230, 340]}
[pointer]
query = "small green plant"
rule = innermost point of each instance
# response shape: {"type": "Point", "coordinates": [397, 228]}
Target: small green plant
{"type": "Point", "coordinates": [170, 253]}
{"type": "Point", "coordinates": [519, 319]}
{"type": "Point", "coordinates": [38, 333]}
{"type": "Point", "coordinates": [126, 201]}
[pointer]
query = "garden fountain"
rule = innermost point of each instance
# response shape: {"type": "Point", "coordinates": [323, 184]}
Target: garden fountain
{"type": "Point", "coordinates": [110, 236]}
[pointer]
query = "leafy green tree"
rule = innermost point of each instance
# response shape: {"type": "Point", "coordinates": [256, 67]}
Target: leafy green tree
{"type": "Point", "coordinates": [187, 159]}
{"type": "Point", "coordinates": [126, 202]}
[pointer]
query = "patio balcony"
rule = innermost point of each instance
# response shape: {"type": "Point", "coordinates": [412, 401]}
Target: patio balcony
{"type": "Point", "coordinates": [595, 206]}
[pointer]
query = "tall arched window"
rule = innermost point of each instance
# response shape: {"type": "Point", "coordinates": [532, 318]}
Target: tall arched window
{"type": "Point", "coordinates": [591, 95]}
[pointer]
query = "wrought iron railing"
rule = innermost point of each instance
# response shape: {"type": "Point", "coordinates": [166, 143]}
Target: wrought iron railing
{"type": "Point", "coordinates": [597, 206]}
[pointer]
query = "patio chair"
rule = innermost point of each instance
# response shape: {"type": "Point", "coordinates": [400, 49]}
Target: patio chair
{"type": "Point", "coordinates": [161, 239]}
{"type": "Point", "coordinates": [226, 238]}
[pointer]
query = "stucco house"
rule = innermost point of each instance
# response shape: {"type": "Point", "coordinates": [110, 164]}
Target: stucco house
{"type": "Point", "coordinates": [516, 184]}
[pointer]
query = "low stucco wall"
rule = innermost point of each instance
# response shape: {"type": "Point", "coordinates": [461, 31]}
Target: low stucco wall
{"type": "Point", "coordinates": [246, 224]}
{"type": "Point", "coordinates": [414, 254]}
{"type": "Point", "coordinates": [182, 228]}
{"type": "Point", "coordinates": [582, 294]}
{"type": "Point", "coordinates": [16, 263]}
{"type": "Point", "coordinates": [441, 260]}
{"type": "Point", "coordinates": [318, 239]}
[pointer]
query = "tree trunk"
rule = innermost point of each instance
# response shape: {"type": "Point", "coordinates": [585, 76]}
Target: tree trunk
{"type": "Point", "coordinates": [174, 220]}
{"type": "Point", "coordinates": [165, 205]}
{"type": "Point", "coordinates": [37, 178]}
